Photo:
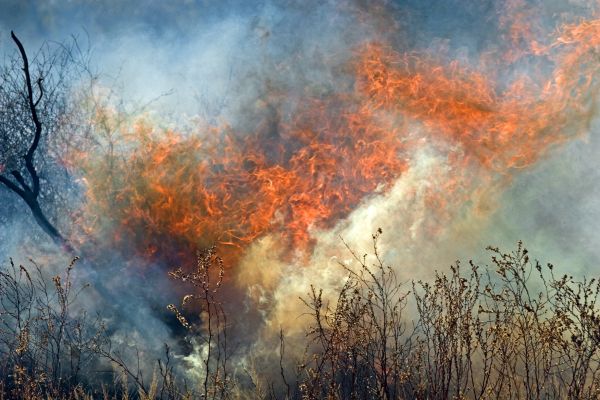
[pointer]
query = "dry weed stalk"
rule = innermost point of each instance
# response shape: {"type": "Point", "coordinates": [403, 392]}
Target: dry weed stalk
{"type": "Point", "coordinates": [518, 333]}
{"type": "Point", "coordinates": [513, 330]}
{"type": "Point", "coordinates": [44, 344]}
{"type": "Point", "coordinates": [211, 333]}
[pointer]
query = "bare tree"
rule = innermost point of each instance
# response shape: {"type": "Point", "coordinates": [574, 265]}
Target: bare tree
{"type": "Point", "coordinates": [33, 101]}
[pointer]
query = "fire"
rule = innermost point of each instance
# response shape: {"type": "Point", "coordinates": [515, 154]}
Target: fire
{"type": "Point", "coordinates": [498, 129]}
{"type": "Point", "coordinates": [174, 191]}
{"type": "Point", "coordinates": [182, 191]}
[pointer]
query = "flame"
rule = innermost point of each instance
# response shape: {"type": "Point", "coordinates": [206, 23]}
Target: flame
{"type": "Point", "coordinates": [498, 129]}
{"type": "Point", "coordinates": [175, 190]}
{"type": "Point", "coordinates": [193, 190]}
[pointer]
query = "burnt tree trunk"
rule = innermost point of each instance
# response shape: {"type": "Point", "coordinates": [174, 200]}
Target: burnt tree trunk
{"type": "Point", "coordinates": [29, 191]}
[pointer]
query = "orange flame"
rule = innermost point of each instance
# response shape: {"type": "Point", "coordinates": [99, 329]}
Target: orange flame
{"type": "Point", "coordinates": [500, 130]}
{"type": "Point", "coordinates": [180, 191]}
{"type": "Point", "coordinates": [177, 189]}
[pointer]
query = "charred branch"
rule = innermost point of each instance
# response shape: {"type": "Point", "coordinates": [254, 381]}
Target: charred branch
{"type": "Point", "coordinates": [29, 192]}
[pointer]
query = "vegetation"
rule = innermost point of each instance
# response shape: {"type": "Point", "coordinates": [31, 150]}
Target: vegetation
{"type": "Point", "coordinates": [517, 333]}
{"type": "Point", "coordinates": [514, 330]}
{"type": "Point", "coordinates": [33, 107]}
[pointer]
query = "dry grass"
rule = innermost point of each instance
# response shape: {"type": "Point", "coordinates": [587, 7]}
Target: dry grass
{"type": "Point", "coordinates": [514, 330]}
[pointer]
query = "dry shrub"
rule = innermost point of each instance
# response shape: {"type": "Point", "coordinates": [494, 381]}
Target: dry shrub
{"type": "Point", "coordinates": [514, 331]}
{"type": "Point", "coordinates": [360, 341]}
{"type": "Point", "coordinates": [45, 346]}
{"type": "Point", "coordinates": [210, 334]}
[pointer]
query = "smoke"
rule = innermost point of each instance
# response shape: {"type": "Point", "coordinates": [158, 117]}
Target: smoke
{"type": "Point", "coordinates": [284, 131]}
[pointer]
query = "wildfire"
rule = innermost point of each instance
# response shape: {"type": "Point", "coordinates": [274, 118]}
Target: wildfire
{"type": "Point", "coordinates": [191, 190]}
{"type": "Point", "coordinates": [499, 130]}
{"type": "Point", "coordinates": [170, 190]}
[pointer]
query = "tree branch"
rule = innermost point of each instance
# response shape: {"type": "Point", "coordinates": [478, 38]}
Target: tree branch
{"type": "Point", "coordinates": [21, 180]}
{"type": "Point", "coordinates": [30, 193]}
{"type": "Point", "coordinates": [34, 116]}
{"type": "Point", "coordinates": [39, 83]}
{"type": "Point", "coordinates": [7, 182]}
